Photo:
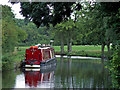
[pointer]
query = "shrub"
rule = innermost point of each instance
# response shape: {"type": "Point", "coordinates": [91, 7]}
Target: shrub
{"type": "Point", "coordinates": [114, 67]}
{"type": "Point", "coordinates": [7, 63]}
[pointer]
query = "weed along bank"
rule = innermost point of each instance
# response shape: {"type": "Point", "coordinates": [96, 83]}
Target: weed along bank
{"type": "Point", "coordinates": [38, 55]}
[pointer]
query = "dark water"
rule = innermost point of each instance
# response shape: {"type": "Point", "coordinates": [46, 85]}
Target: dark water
{"type": "Point", "coordinates": [68, 73]}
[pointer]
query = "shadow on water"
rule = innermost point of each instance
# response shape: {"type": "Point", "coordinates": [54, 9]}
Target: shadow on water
{"type": "Point", "coordinates": [68, 73]}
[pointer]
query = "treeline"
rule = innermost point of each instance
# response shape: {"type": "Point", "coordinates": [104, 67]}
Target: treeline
{"type": "Point", "coordinates": [34, 35]}
{"type": "Point", "coordinates": [44, 34]}
{"type": "Point", "coordinates": [19, 32]}
{"type": "Point", "coordinates": [11, 33]}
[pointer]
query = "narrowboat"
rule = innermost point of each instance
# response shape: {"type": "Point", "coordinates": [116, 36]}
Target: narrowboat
{"type": "Point", "coordinates": [38, 55]}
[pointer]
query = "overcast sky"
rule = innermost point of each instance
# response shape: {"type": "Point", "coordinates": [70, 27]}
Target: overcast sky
{"type": "Point", "coordinates": [15, 8]}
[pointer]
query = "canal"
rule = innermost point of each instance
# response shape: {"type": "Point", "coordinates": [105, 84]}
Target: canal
{"type": "Point", "coordinates": [66, 73]}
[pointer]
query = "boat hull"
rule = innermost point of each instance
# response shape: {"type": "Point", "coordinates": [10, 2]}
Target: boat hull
{"type": "Point", "coordinates": [42, 63]}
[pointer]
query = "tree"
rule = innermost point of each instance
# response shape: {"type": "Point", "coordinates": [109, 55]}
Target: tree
{"type": "Point", "coordinates": [60, 35]}
{"type": "Point", "coordinates": [34, 35]}
{"type": "Point", "coordinates": [22, 35]}
{"type": "Point", "coordinates": [69, 27]}
{"type": "Point", "coordinates": [110, 21]}
{"type": "Point", "coordinates": [47, 12]}
{"type": "Point", "coordinates": [101, 18]}
{"type": "Point", "coordinates": [11, 34]}
{"type": "Point", "coordinates": [32, 31]}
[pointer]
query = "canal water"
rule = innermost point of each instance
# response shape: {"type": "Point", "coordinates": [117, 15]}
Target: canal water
{"type": "Point", "coordinates": [66, 73]}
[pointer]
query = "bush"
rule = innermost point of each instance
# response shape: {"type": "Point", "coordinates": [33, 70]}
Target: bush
{"type": "Point", "coordinates": [7, 63]}
{"type": "Point", "coordinates": [114, 67]}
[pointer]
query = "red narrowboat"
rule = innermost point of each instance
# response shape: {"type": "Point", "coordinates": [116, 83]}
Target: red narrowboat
{"type": "Point", "coordinates": [37, 56]}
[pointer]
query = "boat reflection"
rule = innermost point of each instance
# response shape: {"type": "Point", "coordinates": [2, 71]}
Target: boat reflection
{"type": "Point", "coordinates": [39, 78]}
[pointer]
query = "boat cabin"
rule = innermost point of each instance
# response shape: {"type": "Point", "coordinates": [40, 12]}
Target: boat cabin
{"type": "Point", "coordinates": [37, 55]}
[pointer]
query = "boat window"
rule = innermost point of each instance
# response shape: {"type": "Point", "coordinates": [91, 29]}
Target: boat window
{"type": "Point", "coordinates": [52, 53]}
{"type": "Point", "coordinates": [47, 55]}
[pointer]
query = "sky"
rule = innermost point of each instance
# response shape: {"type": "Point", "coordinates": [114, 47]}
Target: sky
{"type": "Point", "coordinates": [15, 8]}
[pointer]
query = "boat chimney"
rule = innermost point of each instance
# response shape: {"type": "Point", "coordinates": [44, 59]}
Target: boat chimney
{"type": "Point", "coordinates": [51, 43]}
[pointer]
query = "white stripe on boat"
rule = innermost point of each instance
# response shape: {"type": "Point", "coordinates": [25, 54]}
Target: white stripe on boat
{"type": "Point", "coordinates": [32, 65]}
{"type": "Point", "coordinates": [32, 69]}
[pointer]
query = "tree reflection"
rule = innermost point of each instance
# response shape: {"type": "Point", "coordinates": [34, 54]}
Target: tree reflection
{"type": "Point", "coordinates": [81, 74]}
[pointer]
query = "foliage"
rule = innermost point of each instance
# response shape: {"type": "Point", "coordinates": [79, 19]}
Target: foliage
{"type": "Point", "coordinates": [22, 35]}
{"type": "Point", "coordinates": [65, 31]}
{"type": "Point", "coordinates": [9, 33]}
{"type": "Point", "coordinates": [60, 31]}
{"type": "Point", "coordinates": [7, 63]}
{"type": "Point", "coordinates": [114, 67]}
{"type": "Point", "coordinates": [6, 12]}
{"type": "Point", "coordinates": [99, 20]}
{"type": "Point", "coordinates": [47, 12]}
{"type": "Point", "coordinates": [33, 34]}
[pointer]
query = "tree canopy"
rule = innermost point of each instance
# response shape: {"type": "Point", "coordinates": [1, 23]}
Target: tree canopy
{"type": "Point", "coordinates": [47, 12]}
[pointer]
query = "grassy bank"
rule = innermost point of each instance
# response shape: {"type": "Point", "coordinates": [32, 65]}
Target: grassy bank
{"type": "Point", "coordinates": [83, 50]}
{"type": "Point", "coordinates": [14, 58]}
{"type": "Point", "coordinates": [77, 50]}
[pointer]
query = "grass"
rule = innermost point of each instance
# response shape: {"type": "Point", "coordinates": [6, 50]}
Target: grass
{"type": "Point", "coordinates": [83, 50]}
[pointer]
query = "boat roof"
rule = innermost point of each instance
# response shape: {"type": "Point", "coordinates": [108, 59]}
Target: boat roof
{"type": "Point", "coordinates": [39, 46]}
{"type": "Point", "coordinates": [43, 47]}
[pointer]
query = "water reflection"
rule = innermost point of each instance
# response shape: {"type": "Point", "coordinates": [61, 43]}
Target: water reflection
{"type": "Point", "coordinates": [37, 79]}
{"type": "Point", "coordinates": [76, 73]}
{"type": "Point", "coordinates": [68, 73]}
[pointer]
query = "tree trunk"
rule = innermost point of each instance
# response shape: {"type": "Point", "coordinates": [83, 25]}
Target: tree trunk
{"type": "Point", "coordinates": [69, 43]}
{"type": "Point", "coordinates": [108, 47]}
{"type": "Point", "coordinates": [62, 45]}
{"type": "Point", "coordinates": [103, 55]}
